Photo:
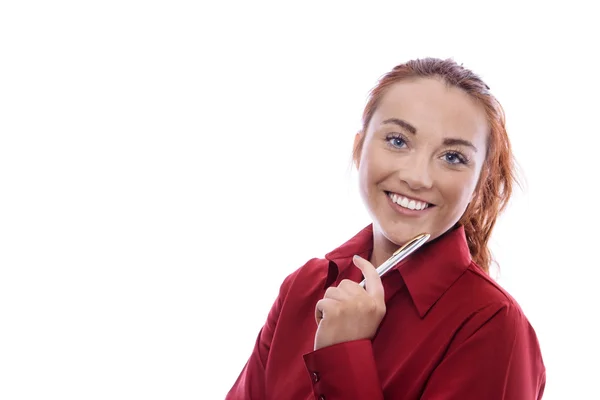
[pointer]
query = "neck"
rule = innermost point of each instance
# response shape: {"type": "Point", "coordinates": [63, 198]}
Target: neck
{"type": "Point", "coordinates": [382, 249]}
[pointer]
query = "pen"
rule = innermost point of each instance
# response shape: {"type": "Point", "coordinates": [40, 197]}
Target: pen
{"type": "Point", "coordinates": [401, 254]}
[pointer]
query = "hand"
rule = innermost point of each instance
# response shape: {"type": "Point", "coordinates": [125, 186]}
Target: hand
{"type": "Point", "coordinates": [349, 312]}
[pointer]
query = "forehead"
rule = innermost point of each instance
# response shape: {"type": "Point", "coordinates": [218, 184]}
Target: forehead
{"type": "Point", "coordinates": [433, 107]}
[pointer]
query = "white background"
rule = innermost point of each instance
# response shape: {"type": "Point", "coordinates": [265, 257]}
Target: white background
{"type": "Point", "coordinates": [164, 165]}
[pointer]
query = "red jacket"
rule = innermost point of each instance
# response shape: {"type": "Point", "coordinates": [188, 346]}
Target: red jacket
{"type": "Point", "coordinates": [450, 332]}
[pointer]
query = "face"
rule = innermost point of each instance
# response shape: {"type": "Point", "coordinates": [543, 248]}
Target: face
{"type": "Point", "coordinates": [421, 159]}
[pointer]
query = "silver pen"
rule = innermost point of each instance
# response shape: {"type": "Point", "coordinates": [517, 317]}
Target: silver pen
{"type": "Point", "coordinates": [401, 254]}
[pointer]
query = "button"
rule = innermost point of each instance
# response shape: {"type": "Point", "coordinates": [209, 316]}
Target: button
{"type": "Point", "coordinates": [322, 397]}
{"type": "Point", "coordinates": [316, 377]}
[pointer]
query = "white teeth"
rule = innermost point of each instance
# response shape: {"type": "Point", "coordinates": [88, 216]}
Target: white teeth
{"type": "Point", "coordinates": [408, 203]}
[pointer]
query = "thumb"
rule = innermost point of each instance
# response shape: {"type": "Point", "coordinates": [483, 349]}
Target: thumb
{"type": "Point", "coordinates": [373, 284]}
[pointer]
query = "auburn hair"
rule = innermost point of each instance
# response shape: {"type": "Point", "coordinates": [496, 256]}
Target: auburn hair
{"type": "Point", "coordinates": [495, 184]}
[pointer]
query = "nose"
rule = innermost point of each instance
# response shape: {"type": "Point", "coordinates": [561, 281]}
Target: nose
{"type": "Point", "coordinates": [416, 173]}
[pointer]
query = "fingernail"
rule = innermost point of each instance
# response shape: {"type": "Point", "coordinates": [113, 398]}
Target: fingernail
{"type": "Point", "coordinates": [357, 257]}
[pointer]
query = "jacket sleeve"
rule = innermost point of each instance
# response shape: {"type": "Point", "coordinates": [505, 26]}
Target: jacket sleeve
{"type": "Point", "coordinates": [495, 356]}
{"type": "Point", "coordinates": [250, 384]}
{"type": "Point", "coordinates": [344, 371]}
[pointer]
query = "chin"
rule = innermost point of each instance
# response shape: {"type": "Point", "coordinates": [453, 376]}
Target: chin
{"type": "Point", "coordinates": [400, 233]}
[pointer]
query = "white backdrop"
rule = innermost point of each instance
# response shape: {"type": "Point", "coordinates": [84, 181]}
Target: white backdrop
{"type": "Point", "coordinates": [164, 165]}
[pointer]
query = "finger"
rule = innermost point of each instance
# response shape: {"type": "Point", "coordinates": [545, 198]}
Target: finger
{"type": "Point", "coordinates": [335, 293]}
{"type": "Point", "coordinates": [373, 284]}
{"type": "Point", "coordinates": [323, 307]}
{"type": "Point", "coordinates": [348, 288]}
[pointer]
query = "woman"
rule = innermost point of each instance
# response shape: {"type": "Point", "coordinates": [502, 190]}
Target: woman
{"type": "Point", "coordinates": [432, 156]}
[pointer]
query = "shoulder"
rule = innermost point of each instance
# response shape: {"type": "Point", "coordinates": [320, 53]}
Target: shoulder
{"type": "Point", "coordinates": [306, 277]}
{"type": "Point", "coordinates": [492, 343]}
{"type": "Point", "coordinates": [494, 311]}
{"type": "Point", "coordinates": [484, 292]}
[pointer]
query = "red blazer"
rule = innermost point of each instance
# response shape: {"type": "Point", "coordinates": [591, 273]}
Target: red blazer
{"type": "Point", "coordinates": [450, 332]}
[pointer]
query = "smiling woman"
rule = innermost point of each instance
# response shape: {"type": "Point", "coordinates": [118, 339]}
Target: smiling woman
{"type": "Point", "coordinates": [426, 141]}
{"type": "Point", "coordinates": [433, 157]}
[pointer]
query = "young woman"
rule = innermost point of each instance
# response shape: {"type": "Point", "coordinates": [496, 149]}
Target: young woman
{"type": "Point", "coordinates": [433, 156]}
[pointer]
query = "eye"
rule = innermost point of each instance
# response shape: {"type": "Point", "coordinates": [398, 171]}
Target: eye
{"type": "Point", "coordinates": [396, 140]}
{"type": "Point", "coordinates": [454, 158]}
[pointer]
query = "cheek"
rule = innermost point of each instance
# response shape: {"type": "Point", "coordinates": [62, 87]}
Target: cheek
{"type": "Point", "coordinates": [368, 170]}
{"type": "Point", "coordinates": [371, 173]}
{"type": "Point", "coordinates": [458, 192]}
{"type": "Point", "coordinates": [367, 179]}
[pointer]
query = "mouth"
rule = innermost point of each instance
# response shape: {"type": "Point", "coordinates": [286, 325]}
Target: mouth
{"type": "Point", "coordinates": [408, 203]}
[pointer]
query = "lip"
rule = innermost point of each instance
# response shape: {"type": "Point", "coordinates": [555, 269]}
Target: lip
{"type": "Point", "coordinates": [405, 211]}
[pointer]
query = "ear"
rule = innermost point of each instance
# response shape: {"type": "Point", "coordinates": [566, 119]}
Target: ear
{"type": "Point", "coordinates": [358, 144]}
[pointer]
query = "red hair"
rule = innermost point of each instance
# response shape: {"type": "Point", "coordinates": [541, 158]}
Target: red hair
{"type": "Point", "coordinates": [498, 173]}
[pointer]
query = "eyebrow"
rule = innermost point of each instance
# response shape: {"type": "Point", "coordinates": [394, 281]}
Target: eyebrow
{"type": "Point", "coordinates": [447, 142]}
{"type": "Point", "coordinates": [459, 142]}
{"type": "Point", "coordinates": [401, 123]}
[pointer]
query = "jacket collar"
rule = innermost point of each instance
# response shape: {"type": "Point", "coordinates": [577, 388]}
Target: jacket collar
{"type": "Point", "coordinates": [427, 273]}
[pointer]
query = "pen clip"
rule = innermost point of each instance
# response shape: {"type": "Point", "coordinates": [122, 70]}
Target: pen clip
{"type": "Point", "coordinates": [412, 242]}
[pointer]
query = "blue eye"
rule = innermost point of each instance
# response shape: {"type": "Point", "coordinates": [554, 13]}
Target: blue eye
{"type": "Point", "coordinates": [455, 158]}
{"type": "Point", "coordinates": [396, 141]}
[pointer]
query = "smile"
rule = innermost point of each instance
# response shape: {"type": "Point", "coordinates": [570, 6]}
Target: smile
{"type": "Point", "coordinates": [407, 202]}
